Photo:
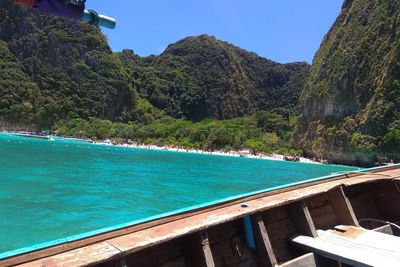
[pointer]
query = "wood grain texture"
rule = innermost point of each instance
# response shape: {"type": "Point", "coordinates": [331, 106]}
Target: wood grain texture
{"type": "Point", "coordinates": [307, 260]}
{"type": "Point", "coordinates": [265, 253]}
{"type": "Point", "coordinates": [302, 218]}
{"type": "Point", "coordinates": [342, 207]}
{"type": "Point", "coordinates": [89, 255]}
{"type": "Point", "coordinates": [354, 246]}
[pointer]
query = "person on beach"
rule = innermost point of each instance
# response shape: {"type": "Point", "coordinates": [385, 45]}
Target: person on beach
{"type": "Point", "coordinates": [70, 9]}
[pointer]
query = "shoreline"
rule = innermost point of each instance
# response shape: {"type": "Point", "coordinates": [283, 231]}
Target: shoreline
{"type": "Point", "coordinates": [240, 153]}
{"type": "Point", "coordinates": [245, 153]}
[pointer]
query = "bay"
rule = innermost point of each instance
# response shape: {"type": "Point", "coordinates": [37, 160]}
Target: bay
{"type": "Point", "coordinates": [55, 189]}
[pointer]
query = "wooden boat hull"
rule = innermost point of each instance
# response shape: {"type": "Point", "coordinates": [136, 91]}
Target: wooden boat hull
{"type": "Point", "coordinates": [217, 235]}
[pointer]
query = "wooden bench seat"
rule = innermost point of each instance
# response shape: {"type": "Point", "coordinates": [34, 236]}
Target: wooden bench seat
{"type": "Point", "coordinates": [354, 246]}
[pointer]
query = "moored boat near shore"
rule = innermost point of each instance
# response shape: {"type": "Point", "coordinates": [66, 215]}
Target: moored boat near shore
{"type": "Point", "coordinates": [34, 135]}
{"type": "Point", "coordinates": [342, 218]}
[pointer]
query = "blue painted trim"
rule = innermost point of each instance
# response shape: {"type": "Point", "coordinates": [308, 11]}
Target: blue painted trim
{"type": "Point", "coordinates": [125, 225]}
{"type": "Point", "coordinates": [248, 231]}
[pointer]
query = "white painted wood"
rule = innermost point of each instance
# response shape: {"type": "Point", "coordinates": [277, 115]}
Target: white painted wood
{"type": "Point", "coordinates": [365, 237]}
{"type": "Point", "coordinates": [207, 253]}
{"type": "Point", "coordinates": [356, 246]}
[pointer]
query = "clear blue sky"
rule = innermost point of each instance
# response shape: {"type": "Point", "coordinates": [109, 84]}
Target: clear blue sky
{"type": "Point", "coordinates": [281, 30]}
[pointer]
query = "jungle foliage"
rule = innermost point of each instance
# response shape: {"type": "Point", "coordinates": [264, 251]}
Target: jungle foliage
{"type": "Point", "coordinates": [202, 77]}
{"type": "Point", "coordinates": [54, 69]}
{"type": "Point", "coordinates": [263, 132]}
{"type": "Point", "coordinates": [351, 96]}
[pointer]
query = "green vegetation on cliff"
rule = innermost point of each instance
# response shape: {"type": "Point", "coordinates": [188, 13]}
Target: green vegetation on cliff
{"type": "Point", "coordinates": [54, 69]}
{"type": "Point", "coordinates": [74, 74]}
{"type": "Point", "coordinates": [202, 77]}
{"type": "Point", "coordinates": [265, 131]}
{"type": "Point", "coordinates": [60, 74]}
{"type": "Point", "coordinates": [351, 96]}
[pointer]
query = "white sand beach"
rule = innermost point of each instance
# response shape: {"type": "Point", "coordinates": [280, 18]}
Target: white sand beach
{"type": "Point", "coordinates": [239, 153]}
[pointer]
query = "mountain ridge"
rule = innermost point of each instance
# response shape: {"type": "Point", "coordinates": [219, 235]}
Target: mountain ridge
{"type": "Point", "coordinates": [74, 74]}
{"type": "Point", "coordinates": [216, 79]}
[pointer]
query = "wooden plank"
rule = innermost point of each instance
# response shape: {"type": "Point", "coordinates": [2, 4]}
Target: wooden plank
{"type": "Point", "coordinates": [265, 252]}
{"type": "Point", "coordinates": [148, 234]}
{"type": "Point", "coordinates": [158, 255]}
{"type": "Point", "coordinates": [199, 252]}
{"type": "Point", "coordinates": [302, 218]}
{"type": "Point", "coordinates": [229, 246]}
{"type": "Point", "coordinates": [207, 254]}
{"type": "Point", "coordinates": [224, 231]}
{"type": "Point", "coordinates": [324, 217]}
{"type": "Point", "coordinates": [279, 233]}
{"type": "Point", "coordinates": [342, 207]}
{"type": "Point", "coordinates": [280, 227]}
{"type": "Point", "coordinates": [307, 260]}
{"type": "Point", "coordinates": [345, 253]}
{"type": "Point", "coordinates": [335, 252]}
{"type": "Point", "coordinates": [354, 246]}
{"type": "Point", "coordinates": [90, 255]}
{"type": "Point", "coordinates": [371, 238]}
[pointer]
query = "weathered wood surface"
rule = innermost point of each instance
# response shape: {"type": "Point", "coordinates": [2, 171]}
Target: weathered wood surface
{"type": "Point", "coordinates": [265, 253]}
{"type": "Point", "coordinates": [228, 245]}
{"type": "Point", "coordinates": [205, 251]}
{"type": "Point", "coordinates": [372, 238]}
{"type": "Point", "coordinates": [163, 255]}
{"type": "Point", "coordinates": [342, 207]}
{"type": "Point", "coordinates": [302, 218]}
{"type": "Point", "coordinates": [354, 246]}
{"type": "Point", "coordinates": [139, 237]}
{"type": "Point", "coordinates": [307, 260]}
{"type": "Point", "coordinates": [280, 227]}
{"type": "Point", "coordinates": [89, 255]}
{"type": "Point", "coordinates": [322, 212]}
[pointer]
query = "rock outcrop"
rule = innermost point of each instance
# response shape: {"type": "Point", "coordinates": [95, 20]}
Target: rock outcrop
{"type": "Point", "coordinates": [351, 96]}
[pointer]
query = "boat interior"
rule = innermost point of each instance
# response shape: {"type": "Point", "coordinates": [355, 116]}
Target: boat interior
{"type": "Point", "coordinates": [348, 221]}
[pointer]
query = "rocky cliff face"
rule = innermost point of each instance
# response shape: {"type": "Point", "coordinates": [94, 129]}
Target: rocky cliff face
{"type": "Point", "coordinates": [202, 77]}
{"type": "Point", "coordinates": [54, 69]}
{"type": "Point", "coordinates": [351, 96]}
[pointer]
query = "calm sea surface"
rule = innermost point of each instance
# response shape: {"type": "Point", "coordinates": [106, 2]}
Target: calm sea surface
{"type": "Point", "coordinates": [51, 190]}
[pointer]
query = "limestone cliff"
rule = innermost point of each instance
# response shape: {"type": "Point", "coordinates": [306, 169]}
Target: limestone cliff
{"type": "Point", "coordinates": [351, 96]}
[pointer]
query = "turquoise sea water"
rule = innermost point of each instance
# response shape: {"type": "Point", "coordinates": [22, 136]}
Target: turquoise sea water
{"type": "Point", "coordinates": [51, 190]}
